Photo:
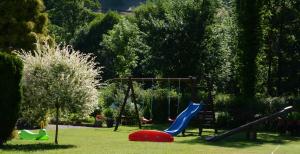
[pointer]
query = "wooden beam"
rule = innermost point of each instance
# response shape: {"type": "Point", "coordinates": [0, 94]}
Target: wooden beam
{"type": "Point", "coordinates": [155, 79]}
{"type": "Point", "coordinates": [134, 102]}
{"type": "Point", "coordinates": [122, 108]}
{"type": "Point", "coordinates": [249, 125]}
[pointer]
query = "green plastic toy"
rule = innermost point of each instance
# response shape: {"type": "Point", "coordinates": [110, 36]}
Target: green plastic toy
{"type": "Point", "coordinates": [28, 135]}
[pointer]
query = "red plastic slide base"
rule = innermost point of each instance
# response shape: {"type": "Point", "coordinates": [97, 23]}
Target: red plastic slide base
{"type": "Point", "coordinates": [151, 136]}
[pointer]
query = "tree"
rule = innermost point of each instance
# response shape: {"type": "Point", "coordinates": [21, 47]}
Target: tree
{"type": "Point", "coordinates": [89, 39]}
{"type": "Point", "coordinates": [281, 46]}
{"type": "Point", "coordinates": [10, 94]}
{"type": "Point", "coordinates": [186, 38]}
{"type": "Point", "coordinates": [67, 16]}
{"type": "Point", "coordinates": [249, 44]}
{"type": "Point", "coordinates": [59, 79]}
{"type": "Point", "coordinates": [126, 44]}
{"type": "Point", "coordinates": [22, 23]}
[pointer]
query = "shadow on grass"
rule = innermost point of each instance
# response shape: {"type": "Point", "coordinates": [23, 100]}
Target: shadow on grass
{"type": "Point", "coordinates": [35, 147]}
{"type": "Point", "coordinates": [160, 127]}
{"type": "Point", "coordinates": [155, 126]}
{"type": "Point", "coordinates": [240, 141]}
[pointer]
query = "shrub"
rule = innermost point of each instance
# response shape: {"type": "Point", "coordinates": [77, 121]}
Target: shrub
{"type": "Point", "coordinates": [10, 94]}
{"type": "Point", "coordinates": [108, 113]}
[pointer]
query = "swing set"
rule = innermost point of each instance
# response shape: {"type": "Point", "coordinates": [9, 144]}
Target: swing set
{"type": "Point", "coordinates": [191, 81]}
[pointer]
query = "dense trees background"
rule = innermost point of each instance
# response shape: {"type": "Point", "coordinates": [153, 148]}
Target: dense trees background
{"type": "Point", "coordinates": [67, 16]}
{"type": "Point", "coordinates": [281, 47]}
{"type": "Point", "coordinates": [243, 52]}
{"type": "Point", "coordinates": [241, 48]}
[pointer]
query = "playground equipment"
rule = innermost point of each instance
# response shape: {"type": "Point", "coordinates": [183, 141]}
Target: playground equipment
{"type": "Point", "coordinates": [28, 135]}
{"type": "Point", "coordinates": [191, 80]}
{"type": "Point", "coordinates": [170, 119]}
{"type": "Point", "coordinates": [150, 135]}
{"type": "Point", "coordinates": [183, 118]}
{"type": "Point", "coordinates": [249, 125]}
{"type": "Point", "coordinates": [176, 127]}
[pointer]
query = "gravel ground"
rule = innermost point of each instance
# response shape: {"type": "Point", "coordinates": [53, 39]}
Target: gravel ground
{"type": "Point", "coordinates": [49, 127]}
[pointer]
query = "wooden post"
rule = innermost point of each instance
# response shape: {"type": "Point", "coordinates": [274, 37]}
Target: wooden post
{"type": "Point", "coordinates": [122, 107]}
{"type": "Point", "coordinates": [193, 88]}
{"type": "Point", "coordinates": [135, 103]}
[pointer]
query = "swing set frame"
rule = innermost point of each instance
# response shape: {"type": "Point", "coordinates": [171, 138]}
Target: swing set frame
{"type": "Point", "coordinates": [191, 81]}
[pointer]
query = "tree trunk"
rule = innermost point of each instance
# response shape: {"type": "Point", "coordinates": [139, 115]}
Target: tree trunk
{"type": "Point", "coordinates": [280, 52]}
{"type": "Point", "coordinates": [270, 59]}
{"type": "Point", "coordinates": [56, 127]}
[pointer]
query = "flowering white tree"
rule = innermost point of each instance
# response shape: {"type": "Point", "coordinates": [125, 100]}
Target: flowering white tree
{"type": "Point", "coordinates": [59, 79]}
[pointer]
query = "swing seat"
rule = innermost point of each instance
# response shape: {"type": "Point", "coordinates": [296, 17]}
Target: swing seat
{"type": "Point", "coordinates": [170, 119]}
{"type": "Point", "coordinates": [146, 121]}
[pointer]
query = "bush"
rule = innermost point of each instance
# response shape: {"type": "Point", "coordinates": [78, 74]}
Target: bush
{"type": "Point", "coordinates": [108, 113]}
{"type": "Point", "coordinates": [243, 110]}
{"type": "Point", "coordinates": [10, 94]}
{"type": "Point", "coordinates": [223, 120]}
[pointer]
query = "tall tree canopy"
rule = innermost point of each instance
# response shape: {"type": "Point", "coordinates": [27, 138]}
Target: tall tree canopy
{"type": "Point", "coordinates": [281, 22]}
{"type": "Point", "coordinates": [249, 43]}
{"type": "Point", "coordinates": [22, 23]}
{"type": "Point", "coordinates": [67, 16]}
{"type": "Point", "coordinates": [175, 38]}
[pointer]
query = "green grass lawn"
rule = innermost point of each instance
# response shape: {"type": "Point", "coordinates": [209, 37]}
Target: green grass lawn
{"type": "Point", "coordinates": [105, 140]}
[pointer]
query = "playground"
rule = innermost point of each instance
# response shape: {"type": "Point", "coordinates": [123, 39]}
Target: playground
{"type": "Point", "coordinates": [105, 140]}
{"type": "Point", "coordinates": [150, 76]}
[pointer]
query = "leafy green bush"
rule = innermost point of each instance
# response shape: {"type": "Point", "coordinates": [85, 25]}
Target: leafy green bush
{"type": "Point", "coordinates": [223, 120]}
{"type": "Point", "coordinates": [274, 104]}
{"type": "Point", "coordinates": [10, 94]}
{"type": "Point", "coordinates": [108, 113]}
{"type": "Point", "coordinates": [222, 102]}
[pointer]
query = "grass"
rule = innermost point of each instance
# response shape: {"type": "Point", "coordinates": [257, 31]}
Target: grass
{"type": "Point", "coordinates": [106, 141]}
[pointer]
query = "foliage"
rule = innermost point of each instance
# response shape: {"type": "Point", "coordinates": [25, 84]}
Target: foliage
{"type": "Point", "coordinates": [183, 35]}
{"type": "Point", "coordinates": [281, 39]}
{"type": "Point", "coordinates": [58, 78]}
{"type": "Point", "coordinates": [126, 42]}
{"type": "Point", "coordinates": [249, 44]}
{"type": "Point", "coordinates": [152, 102]}
{"type": "Point", "coordinates": [10, 94]}
{"type": "Point", "coordinates": [88, 40]}
{"type": "Point", "coordinates": [23, 22]}
{"type": "Point", "coordinates": [67, 16]}
{"type": "Point", "coordinates": [108, 113]}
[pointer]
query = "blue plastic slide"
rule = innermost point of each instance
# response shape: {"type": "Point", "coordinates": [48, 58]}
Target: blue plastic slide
{"type": "Point", "coordinates": [183, 118]}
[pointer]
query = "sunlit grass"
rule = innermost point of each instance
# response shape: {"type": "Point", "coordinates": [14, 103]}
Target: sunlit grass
{"type": "Point", "coordinates": [105, 140]}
